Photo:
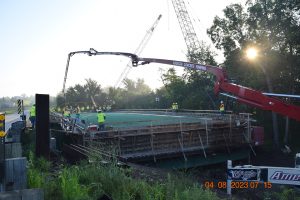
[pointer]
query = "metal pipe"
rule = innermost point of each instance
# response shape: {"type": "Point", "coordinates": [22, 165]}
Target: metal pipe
{"type": "Point", "coordinates": [282, 95]}
{"type": "Point", "coordinates": [228, 95]}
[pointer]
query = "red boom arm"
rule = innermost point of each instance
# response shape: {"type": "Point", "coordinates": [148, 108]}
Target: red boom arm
{"type": "Point", "coordinates": [243, 94]}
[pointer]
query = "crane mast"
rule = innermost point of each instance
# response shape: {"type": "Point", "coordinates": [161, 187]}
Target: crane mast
{"type": "Point", "coordinates": [138, 51]}
{"type": "Point", "coordinates": [186, 25]}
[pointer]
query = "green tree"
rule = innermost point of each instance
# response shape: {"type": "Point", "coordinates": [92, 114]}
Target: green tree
{"type": "Point", "coordinates": [194, 89]}
{"type": "Point", "coordinates": [273, 27]}
{"type": "Point", "coordinates": [141, 87]}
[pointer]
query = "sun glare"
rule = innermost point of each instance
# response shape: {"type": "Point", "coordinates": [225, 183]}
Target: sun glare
{"type": "Point", "coordinates": [251, 53]}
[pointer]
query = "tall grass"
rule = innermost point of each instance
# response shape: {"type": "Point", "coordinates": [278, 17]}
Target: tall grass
{"type": "Point", "coordinates": [92, 180]}
{"type": "Point", "coordinates": [69, 183]}
{"type": "Point", "coordinates": [112, 181]}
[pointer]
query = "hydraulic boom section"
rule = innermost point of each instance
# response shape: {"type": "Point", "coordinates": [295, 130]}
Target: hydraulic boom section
{"type": "Point", "coordinates": [240, 93]}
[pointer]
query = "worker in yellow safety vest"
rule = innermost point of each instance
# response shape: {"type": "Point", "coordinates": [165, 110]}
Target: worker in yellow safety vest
{"type": "Point", "coordinates": [174, 107]}
{"type": "Point", "coordinates": [67, 112]}
{"type": "Point", "coordinates": [222, 108]}
{"type": "Point", "coordinates": [32, 115]}
{"type": "Point", "coordinates": [101, 120]}
{"type": "Point", "coordinates": [77, 114]}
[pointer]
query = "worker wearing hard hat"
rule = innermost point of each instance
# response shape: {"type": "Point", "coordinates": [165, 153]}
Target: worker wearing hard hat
{"type": "Point", "coordinates": [67, 112]}
{"type": "Point", "coordinates": [77, 116]}
{"type": "Point", "coordinates": [174, 107]}
{"type": "Point", "coordinates": [222, 108]}
{"type": "Point", "coordinates": [32, 115]}
{"type": "Point", "coordinates": [101, 120]}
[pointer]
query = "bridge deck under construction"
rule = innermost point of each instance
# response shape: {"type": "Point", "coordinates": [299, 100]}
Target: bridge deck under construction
{"type": "Point", "coordinates": [141, 136]}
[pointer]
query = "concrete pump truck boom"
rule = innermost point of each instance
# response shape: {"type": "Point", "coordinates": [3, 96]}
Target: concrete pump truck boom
{"type": "Point", "coordinates": [242, 94]}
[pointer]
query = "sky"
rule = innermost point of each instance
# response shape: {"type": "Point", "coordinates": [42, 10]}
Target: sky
{"type": "Point", "coordinates": [36, 37]}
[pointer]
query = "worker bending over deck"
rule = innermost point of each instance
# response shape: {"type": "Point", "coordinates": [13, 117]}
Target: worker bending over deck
{"type": "Point", "coordinates": [101, 120]}
{"type": "Point", "coordinates": [222, 108]}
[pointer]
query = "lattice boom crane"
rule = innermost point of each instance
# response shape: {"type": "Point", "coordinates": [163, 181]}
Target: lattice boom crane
{"type": "Point", "coordinates": [186, 25]}
{"type": "Point", "coordinates": [138, 51]}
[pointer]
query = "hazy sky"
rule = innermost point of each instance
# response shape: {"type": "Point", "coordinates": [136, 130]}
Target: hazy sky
{"type": "Point", "coordinates": [36, 37]}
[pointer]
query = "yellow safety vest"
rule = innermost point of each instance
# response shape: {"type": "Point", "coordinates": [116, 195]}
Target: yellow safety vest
{"type": "Point", "coordinates": [67, 113]}
{"type": "Point", "coordinates": [101, 117]}
{"type": "Point", "coordinates": [222, 107]}
{"type": "Point", "coordinates": [32, 111]}
{"type": "Point", "coordinates": [173, 106]}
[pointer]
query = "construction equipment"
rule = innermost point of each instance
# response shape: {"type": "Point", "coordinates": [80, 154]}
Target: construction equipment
{"type": "Point", "coordinates": [138, 51]}
{"type": "Point", "coordinates": [94, 103]}
{"type": "Point", "coordinates": [240, 93]}
{"type": "Point", "coordinates": [188, 31]}
{"type": "Point", "coordinates": [248, 176]}
{"type": "Point", "coordinates": [128, 67]}
{"type": "Point", "coordinates": [186, 25]}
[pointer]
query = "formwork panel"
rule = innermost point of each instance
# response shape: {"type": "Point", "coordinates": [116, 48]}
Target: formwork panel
{"type": "Point", "coordinates": [136, 135]}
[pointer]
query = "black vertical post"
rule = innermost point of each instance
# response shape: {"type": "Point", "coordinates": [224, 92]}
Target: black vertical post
{"type": "Point", "coordinates": [42, 126]}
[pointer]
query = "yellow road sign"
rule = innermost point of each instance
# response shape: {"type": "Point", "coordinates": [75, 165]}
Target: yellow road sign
{"type": "Point", "coordinates": [2, 117]}
{"type": "Point", "coordinates": [2, 133]}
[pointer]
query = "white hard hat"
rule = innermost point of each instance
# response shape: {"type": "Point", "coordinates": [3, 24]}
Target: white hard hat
{"type": "Point", "coordinates": [221, 101]}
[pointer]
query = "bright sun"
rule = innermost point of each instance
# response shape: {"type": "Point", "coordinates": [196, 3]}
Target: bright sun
{"type": "Point", "coordinates": [251, 53]}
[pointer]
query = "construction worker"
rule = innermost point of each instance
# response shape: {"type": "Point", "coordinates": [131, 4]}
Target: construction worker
{"type": "Point", "coordinates": [176, 107]}
{"type": "Point", "coordinates": [77, 114]}
{"type": "Point", "coordinates": [32, 116]}
{"type": "Point", "coordinates": [173, 107]}
{"type": "Point", "coordinates": [67, 112]}
{"type": "Point", "coordinates": [101, 120]}
{"type": "Point", "coordinates": [222, 108]}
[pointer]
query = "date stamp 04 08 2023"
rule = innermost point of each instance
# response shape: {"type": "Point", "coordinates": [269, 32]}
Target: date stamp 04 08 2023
{"type": "Point", "coordinates": [236, 184]}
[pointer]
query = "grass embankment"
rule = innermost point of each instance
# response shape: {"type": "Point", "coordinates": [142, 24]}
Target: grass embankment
{"type": "Point", "coordinates": [92, 180]}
